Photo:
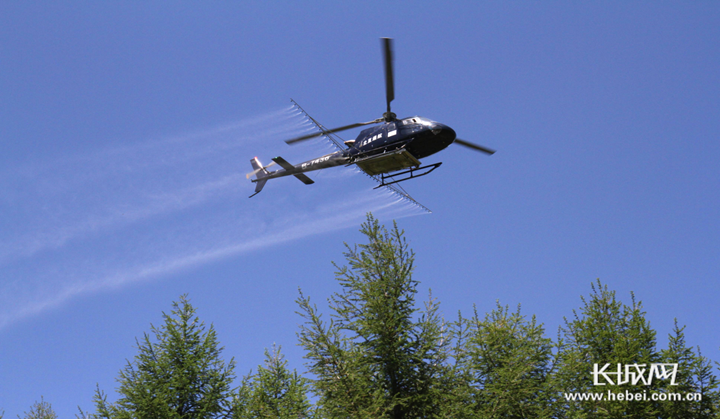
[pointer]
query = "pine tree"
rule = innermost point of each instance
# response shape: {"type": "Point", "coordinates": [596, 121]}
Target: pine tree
{"type": "Point", "coordinates": [459, 398]}
{"type": "Point", "coordinates": [606, 332]}
{"type": "Point", "coordinates": [274, 392]}
{"type": "Point", "coordinates": [39, 410]}
{"type": "Point", "coordinates": [694, 376]}
{"type": "Point", "coordinates": [179, 375]}
{"type": "Point", "coordinates": [378, 356]}
{"type": "Point", "coordinates": [511, 361]}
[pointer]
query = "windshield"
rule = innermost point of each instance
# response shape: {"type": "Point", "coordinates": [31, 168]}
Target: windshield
{"type": "Point", "coordinates": [418, 120]}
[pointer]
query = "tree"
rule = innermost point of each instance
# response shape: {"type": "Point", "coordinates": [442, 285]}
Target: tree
{"type": "Point", "coordinates": [606, 332]}
{"type": "Point", "coordinates": [510, 366]}
{"type": "Point", "coordinates": [694, 375]}
{"type": "Point", "coordinates": [274, 392]}
{"type": "Point", "coordinates": [179, 375]}
{"type": "Point", "coordinates": [378, 356]}
{"type": "Point", "coordinates": [39, 410]}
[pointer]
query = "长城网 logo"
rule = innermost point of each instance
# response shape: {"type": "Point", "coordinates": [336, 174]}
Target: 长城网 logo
{"type": "Point", "coordinates": [633, 374]}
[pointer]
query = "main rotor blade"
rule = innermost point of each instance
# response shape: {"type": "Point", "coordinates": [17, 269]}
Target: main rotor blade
{"type": "Point", "coordinates": [475, 146]}
{"type": "Point", "coordinates": [389, 82]}
{"type": "Point", "coordinates": [343, 128]}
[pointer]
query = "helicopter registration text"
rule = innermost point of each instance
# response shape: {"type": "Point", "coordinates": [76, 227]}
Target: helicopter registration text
{"type": "Point", "coordinates": [311, 162]}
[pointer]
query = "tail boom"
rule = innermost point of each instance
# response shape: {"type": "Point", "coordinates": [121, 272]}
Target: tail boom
{"type": "Point", "coordinates": [263, 175]}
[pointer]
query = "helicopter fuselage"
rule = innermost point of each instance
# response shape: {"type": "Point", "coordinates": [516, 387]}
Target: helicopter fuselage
{"type": "Point", "coordinates": [418, 136]}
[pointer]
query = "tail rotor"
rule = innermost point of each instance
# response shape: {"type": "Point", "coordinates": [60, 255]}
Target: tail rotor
{"type": "Point", "coordinates": [261, 173]}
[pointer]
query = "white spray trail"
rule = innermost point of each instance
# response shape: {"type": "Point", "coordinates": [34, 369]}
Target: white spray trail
{"type": "Point", "coordinates": [88, 223]}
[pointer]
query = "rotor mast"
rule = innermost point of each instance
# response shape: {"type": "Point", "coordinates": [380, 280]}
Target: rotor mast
{"type": "Point", "coordinates": [386, 44]}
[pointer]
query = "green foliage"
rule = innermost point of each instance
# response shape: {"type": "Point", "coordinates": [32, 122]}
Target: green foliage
{"type": "Point", "coordinates": [378, 356]}
{"type": "Point", "coordinates": [273, 392]}
{"type": "Point", "coordinates": [606, 332]}
{"type": "Point", "coordinates": [179, 375]}
{"type": "Point", "coordinates": [39, 410]}
{"type": "Point", "coordinates": [510, 366]}
{"type": "Point", "coordinates": [694, 376]}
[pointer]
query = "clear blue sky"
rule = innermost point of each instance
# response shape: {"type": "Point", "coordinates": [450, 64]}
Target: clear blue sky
{"type": "Point", "coordinates": [127, 129]}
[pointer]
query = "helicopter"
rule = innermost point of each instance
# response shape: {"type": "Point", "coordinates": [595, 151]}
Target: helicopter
{"type": "Point", "coordinates": [390, 151]}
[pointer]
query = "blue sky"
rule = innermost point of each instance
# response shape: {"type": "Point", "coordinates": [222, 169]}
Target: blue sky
{"type": "Point", "coordinates": [127, 129]}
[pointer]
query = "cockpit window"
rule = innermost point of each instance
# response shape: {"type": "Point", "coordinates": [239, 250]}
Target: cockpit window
{"type": "Point", "coordinates": [426, 122]}
{"type": "Point", "coordinates": [418, 120]}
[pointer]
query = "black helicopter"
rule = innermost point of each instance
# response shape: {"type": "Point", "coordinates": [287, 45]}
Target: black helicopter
{"type": "Point", "coordinates": [392, 149]}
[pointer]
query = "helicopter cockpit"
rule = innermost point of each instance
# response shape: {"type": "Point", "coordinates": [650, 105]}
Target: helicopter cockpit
{"type": "Point", "coordinates": [418, 120]}
{"type": "Point", "coordinates": [415, 124]}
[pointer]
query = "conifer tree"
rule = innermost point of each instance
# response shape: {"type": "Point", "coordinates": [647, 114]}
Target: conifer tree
{"type": "Point", "coordinates": [605, 331]}
{"type": "Point", "coordinates": [274, 392]}
{"type": "Point", "coordinates": [179, 375]}
{"type": "Point", "coordinates": [377, 356]}
{"type": "Point", "coordinates": [694, 376]}
{"type": "Point", "coordinates": [510, 366]}
{"type": "Point", "coordinates": [39, 410]}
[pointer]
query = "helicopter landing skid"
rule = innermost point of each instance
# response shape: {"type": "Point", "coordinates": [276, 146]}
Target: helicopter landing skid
{"type": "Point", "coordinates": [425, 170]}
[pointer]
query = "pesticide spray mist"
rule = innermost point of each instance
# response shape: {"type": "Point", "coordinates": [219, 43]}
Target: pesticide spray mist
{"type": "Point", "coordinates": [87, 223]}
